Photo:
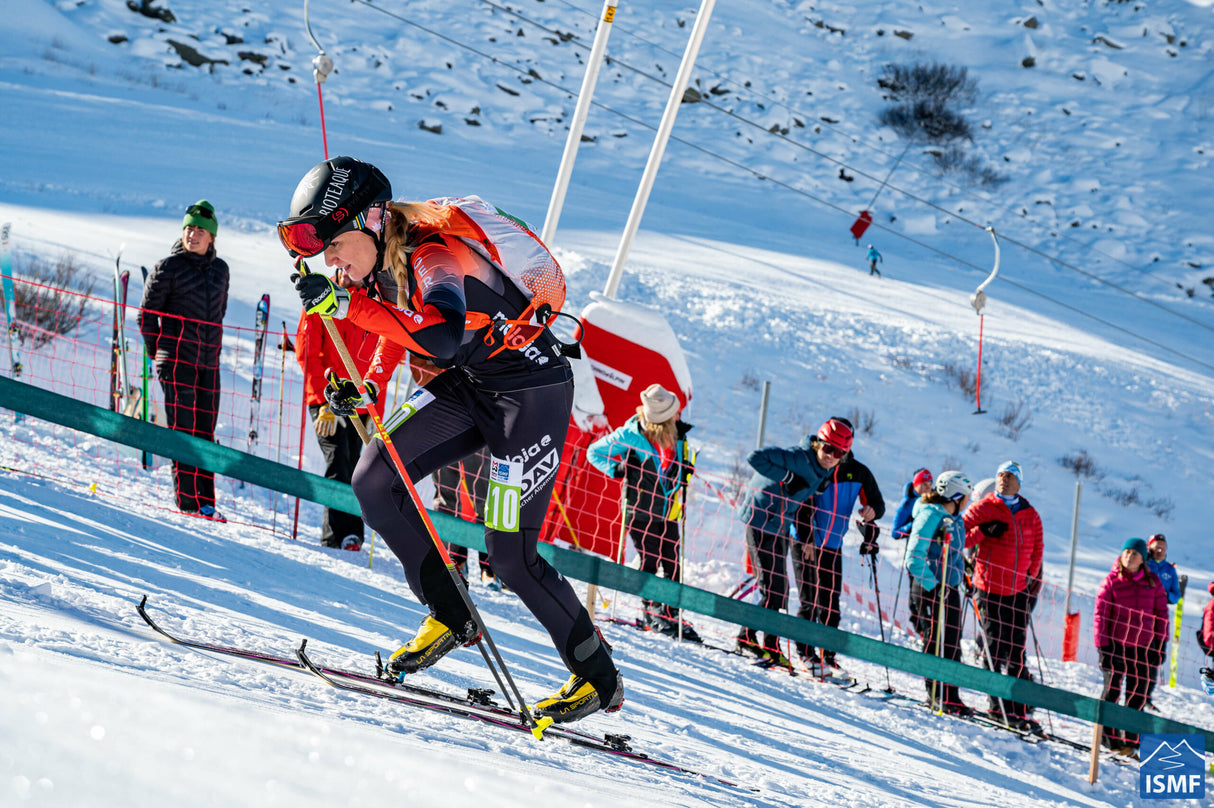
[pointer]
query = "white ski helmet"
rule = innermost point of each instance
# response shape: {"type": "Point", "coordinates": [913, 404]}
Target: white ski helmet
{"type": "Point", "coordinates": [953, 485]}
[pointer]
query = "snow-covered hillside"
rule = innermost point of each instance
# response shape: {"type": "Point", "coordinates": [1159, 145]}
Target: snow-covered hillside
{"type": "Point", "coordinates": [108, 134]}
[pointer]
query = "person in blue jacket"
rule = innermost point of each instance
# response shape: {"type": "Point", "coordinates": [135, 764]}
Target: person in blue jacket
{"type": "Point", "coordinates": [920, 483]}
{"type": "Point", "coordinates": [1157, 562]}
{"type": "Point", "coordinates": [873, 258]}
{"type": "Point", "coordinates": [650, 452]}
{"type": "Point", "coordinates": [783, 479]}
{"type": "Point", "coordinates": [817, 554]}
{"type": "Point", "coordinates": [936, 568]}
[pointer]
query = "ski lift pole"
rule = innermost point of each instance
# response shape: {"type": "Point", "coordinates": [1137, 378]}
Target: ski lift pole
{"type": "Point", "coordinates": [659, 146]}
{"type": "Point", "coordinates": [978, 301]}
{"type": "Point", "coordinates": [322, 66]}
{"type": "Point", "coordinates": [578, 123]}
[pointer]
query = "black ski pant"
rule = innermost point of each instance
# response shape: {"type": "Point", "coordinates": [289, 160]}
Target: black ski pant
{"type": "Point", "coordinates": [657, 543]}
{"type": "Point", "coordinates": [1004, 623]}
{"type": "Point", "coordinates": [341, 451]}
{"type": "Point", "coordinates": [1128, 665]}
{"type": "Point", "coordinates": [472, 472]}
{"type": "Point", "coordinates": [769, 557]}
{"type": "Point", "coordinates": [818, 585]}
{"type": "Point", "coordinates": [940, 630]}
{"type": "Point", "coordinates": [191, 404]}
{"type": "Point", "coordinates": [455, 417]}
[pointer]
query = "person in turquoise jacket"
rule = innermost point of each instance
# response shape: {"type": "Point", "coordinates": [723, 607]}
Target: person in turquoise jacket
{"type": "Point", "coordinates": [783, 479]}
{"type": "Point", "coordinates": [651, 454]}
{"type": "Point", "coordinates": [936, 568]}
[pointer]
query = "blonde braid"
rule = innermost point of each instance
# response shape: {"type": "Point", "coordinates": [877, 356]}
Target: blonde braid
{"type": "Point", "coordinates": [397, 246]}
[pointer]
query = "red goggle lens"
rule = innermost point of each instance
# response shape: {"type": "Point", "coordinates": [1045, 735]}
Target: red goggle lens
{"type": "Point", "coordinates": [301, 239]}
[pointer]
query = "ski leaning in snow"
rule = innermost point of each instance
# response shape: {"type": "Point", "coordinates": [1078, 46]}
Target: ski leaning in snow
{"type": "Point", "coordinates": [1184, 581]}
{"type": "Point", "coordinates": [259, 359]}
{"type": "Point", "coordinates": [118, 373]}
{"type": "Point", "coordinates": [10, 306]}
{"type": "Point", "coordinates": [145, 456]}
{"type": "Point", "coordinates": [476, 706]}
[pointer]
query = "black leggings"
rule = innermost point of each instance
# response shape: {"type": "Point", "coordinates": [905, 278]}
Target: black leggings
{"type": "Point", "coordinates": [925, 614]}
{"type": "Point", "coordinates": [657, 543]}
{"type": "Point", "coordinates": [191, 404]}
{"type": "Point", "coordinates": [1129, 664]}
{"type": "Point", "coordinates": [1004, 623]}
{"type": "Point", "coordinates": [453, 419]}
{"type": "Point", "coordinates": [818, 585]}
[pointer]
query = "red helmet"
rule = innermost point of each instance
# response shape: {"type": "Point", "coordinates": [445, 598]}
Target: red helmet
{"type": "Point", "coordinates": [837, 433]}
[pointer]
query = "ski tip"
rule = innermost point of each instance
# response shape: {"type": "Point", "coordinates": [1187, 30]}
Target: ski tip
{"type": "Point", "coordinates": [541, 724]}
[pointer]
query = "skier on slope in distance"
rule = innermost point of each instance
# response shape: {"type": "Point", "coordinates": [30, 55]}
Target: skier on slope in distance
{"type": "Point", "coordinates": [439, 297]}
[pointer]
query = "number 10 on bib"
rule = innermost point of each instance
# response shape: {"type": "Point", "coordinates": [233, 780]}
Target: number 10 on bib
{"type": "Point", "coordinates": [504, 495]}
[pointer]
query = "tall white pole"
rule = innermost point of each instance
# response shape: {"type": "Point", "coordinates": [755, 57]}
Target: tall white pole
{"type": "Point", "coordinates": [1070, 574]}
{"type": "Point", "coordinates": [659, 147]}
{"type": "Point", "coordinates": [579, 122]}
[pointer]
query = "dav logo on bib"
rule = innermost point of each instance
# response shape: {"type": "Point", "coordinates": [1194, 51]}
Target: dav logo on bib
{"type": "Point", "coordinates": [1173, 767]}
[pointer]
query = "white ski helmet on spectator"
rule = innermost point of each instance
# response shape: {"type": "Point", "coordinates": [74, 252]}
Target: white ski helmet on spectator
{"type": "Point", "coordinates": [953, 485]}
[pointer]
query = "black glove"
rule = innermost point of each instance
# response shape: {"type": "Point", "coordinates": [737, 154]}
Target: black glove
{"type": "Point", "coordinates": [320, 295]}
{"type": "Point", "coordinates": [794, 483]}
{"type": "Point", "coordinates": [343, 396]}
{"type": "Point", "coordinates": [993, 528]}
{"type": "Point", "coordinates": [870, 531]}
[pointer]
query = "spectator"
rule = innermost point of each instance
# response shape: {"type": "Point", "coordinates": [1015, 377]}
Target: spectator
{"type": "Point", "coordinates": [470, 478]}
{"type": "Point", "coordinates": [1131, 620]}
{"type": "Point", "coordinates": [1205, 634]}
{"type": "Point", "coordinates": [1165, 571]}
{"type": "Point", "coordinates": [783, 479]}
{"type": "Point", "coordinates": [1005, 535]}
{"type": "Point", "coordinates": [920, 483]}
{"type": "Point", "coordinates": [817, 553]}
{"type": "Point", "coordinates": [936, 568]}
{"type": "Point", "coordinates": [873, 258]}
{"type": "Point", "coordinates": [185, 298]}
{"type": "Point", "coordinates": [650, 452]}
{"type": "Point", "coordinates": [339, 441]}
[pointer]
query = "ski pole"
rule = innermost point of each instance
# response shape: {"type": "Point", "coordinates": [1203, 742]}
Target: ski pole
{"type": "Point", "coordinates": [872, 561]}
{"type": "Point", "coordinates": [1040, 665]}
{"type": "Point", "coordinates": [282, 393]}
{"type": "Point", "coordinates": [537, 727]}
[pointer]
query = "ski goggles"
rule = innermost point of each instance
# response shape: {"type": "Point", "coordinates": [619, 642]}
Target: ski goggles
{"type": "Point", "coordinates": [199, 210]}
{"type": "Point", "coordinates": [305, 236]}
{"type": "Point", "coordinates": [302, 238]}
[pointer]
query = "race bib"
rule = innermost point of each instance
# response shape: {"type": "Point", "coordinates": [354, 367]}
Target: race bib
{"type": "Point", "coordinates": [503, 500]}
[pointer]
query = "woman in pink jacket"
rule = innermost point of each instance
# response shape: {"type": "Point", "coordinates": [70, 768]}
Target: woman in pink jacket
{"type": "Point", "coordinates": [1131, 619]}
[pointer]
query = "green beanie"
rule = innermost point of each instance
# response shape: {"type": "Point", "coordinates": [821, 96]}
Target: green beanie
{"type": "Point", "coordinates": [201, 214]}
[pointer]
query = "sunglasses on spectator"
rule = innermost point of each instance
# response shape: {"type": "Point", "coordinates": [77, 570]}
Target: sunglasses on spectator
{"type": "Point", "coordinates": [199, 210]}
{"type": "Point", "coordinates": [833, 451]}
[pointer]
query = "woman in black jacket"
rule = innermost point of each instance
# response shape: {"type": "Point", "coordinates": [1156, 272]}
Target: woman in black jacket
{"type": "Point", "coordinates": [181, 319]}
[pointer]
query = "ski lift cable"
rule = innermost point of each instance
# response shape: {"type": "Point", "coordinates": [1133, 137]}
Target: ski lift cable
{"type": "Point", "coordinates": [740, 89]}
{"type": "Point", "coordinates": [824, 202]}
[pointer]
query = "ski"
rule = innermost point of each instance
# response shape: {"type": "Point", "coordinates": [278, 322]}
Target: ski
{"type": "Point", "coordinates": [262, 323]}
{"type": "Point", "coordinates": [476, 706]}
{"type": "Point", "coordinates": [145, 456]}
{"type": "Point", "coordinates": [118, 378]}
{"type": "Point", "coordinates": [1184, 581]}
{"type": "Point", "coordinates": [10, 307]}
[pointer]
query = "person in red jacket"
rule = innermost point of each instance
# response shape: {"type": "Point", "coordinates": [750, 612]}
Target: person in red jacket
{"type": "Point", "coordinates": [1131, 619]}
{"type": "Point", "coordinates": [1007, 540]}
{"type": "Point", "coordinates": [339, 441]}
{"type": "Point", "coordinates": [1205, 635]}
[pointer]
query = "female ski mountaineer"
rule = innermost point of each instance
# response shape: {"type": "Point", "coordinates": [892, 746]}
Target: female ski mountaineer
{"type": "Point", "coordinates": [430, 287]}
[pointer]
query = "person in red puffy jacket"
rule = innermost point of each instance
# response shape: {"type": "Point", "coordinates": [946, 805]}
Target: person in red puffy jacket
{"type": "Point", "coordinates": [1205, 635]}
{"type": "Point", "coordinates": [1003, 533]}
{"type": "Point", "coordinates": [1131, 620]}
